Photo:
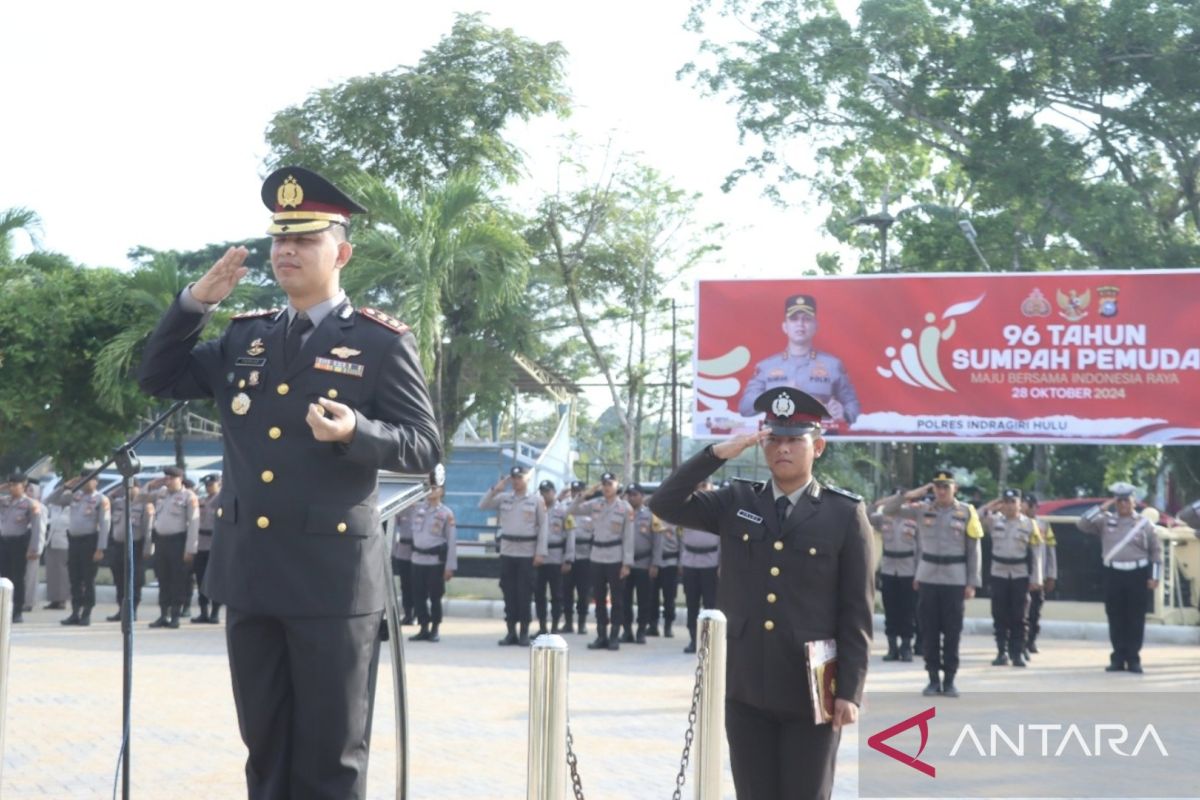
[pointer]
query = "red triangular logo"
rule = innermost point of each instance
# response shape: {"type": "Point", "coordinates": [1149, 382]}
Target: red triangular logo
{"type": "Point", "coordinates": [876, 742]}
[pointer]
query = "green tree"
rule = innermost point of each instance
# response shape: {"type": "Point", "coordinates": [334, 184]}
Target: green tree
{"type": "Point", "coordinates": [11, 221]}
{"type": "Point", "coordinates": [451, 263]}
{"type": "Point", "coordinates": [1067, 129]}
{"type": "Point", "coordinates": [413, 126]}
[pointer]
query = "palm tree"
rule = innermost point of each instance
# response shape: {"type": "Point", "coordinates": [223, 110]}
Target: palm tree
{"type": "Point", "coordinates": [17, 219]}
{"type": "Point", "coordinates": [451, 264]}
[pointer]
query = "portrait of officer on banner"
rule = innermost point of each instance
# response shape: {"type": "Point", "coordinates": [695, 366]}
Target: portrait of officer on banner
{"type": "Point", "coordinates": [801, 366]}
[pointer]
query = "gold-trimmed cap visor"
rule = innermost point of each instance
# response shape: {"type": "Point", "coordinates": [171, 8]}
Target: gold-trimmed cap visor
{"type": "Point", "coordinates": [301, 201]}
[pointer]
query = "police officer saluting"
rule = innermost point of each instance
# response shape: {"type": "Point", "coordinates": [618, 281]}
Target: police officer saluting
{"type": "Point", "coordinates": [176, 537]}
{"type": "Point", "coordinates": [577, 583]}
{"type": "Point", "coordinates": [646, 528]}
{"type": "Point", "coordinates": [1015, 565]}
{"type": "Point", "coordinates": [948, 572]}
{"type": "Point", "coordinates": [22, 525]}
{"type": "Point", "coordinates": [87, 536]}
{"type": "Point", "coordinates": [141, 517]}
{"type": "Point", "coordinates": [700, 562]}
{"type": "Point", "coordinates": [560, 552]}
{"type": "Point", "coordinates": [208, 520]}
{"type": "Point", "coordinates": [435, 559]}
{"type": "Point", "coordinates": [897, 569]}
{"type": "Point", "coordinates": [315, 399]}
{"type": "Point", "coordinates": [1132, 558]}
{"type": "Point", "coordinates": [523, 533]}
{"type": "Point", "coordinates": [664, 572]}
{"type": "Point", "coordinates": [1047, 554]}
{"type": "Point", "coordinates": [795, 567]}
{"type": "Point", "coordinates": [612, 556]}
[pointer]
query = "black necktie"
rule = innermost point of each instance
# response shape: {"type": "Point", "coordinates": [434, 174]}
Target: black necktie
{"type": "Point", "coordinates": [781, 508]}
{"type": "Point", "coordinates": [291, 346]}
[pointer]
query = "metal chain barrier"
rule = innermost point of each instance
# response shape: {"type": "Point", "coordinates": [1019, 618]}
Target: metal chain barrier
{"type": "Point", "coordinates": [573, 764]}
{"type": "Point", "coordinates": [701, 660]}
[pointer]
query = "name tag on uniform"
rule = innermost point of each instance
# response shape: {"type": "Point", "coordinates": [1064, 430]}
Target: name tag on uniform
{"type": "Point", "coordinates": [339, 367]}
{"type": "Point", "coordinates": [744, 514]}
{"type": "Point", "coordinates": [242, 361]}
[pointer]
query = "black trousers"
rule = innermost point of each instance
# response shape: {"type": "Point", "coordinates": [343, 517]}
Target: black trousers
{"type": "Point", "coordinates": [1125, 606]}
{"type": "Point", "coordinates": [779, 756]}
{"type": "Point", "coordinates": [638, 585]}
{"type": "Point", "coordinates": [171, 571]}
{"type": "Point", "coordinates": [1037, 598]}
{"type": "Point", "coordinates": [304, 689]}
{"type": "Point", "coordinates": [577, 587]}
{"type": "Point", "coordinates": [607, 583]}
{"type": "Point", "coordinates": [81, 570]}
{"type": "Point", "coordinates": [699, 587]}
{"type": "Point", "coordinates": [200, 569]}
{"type": "Point", "coordinates": [1009, 596]}
{"type": "Point", "coordinates": [899, 606]}
{"type": "Point", "coordinates": [117, 565]}
{"type": "Point", "coordinates": [666, 586]}
{"type": "Point", "coordinates": [429, 587]}
{"type": "Point", "coordinates": [516, 582]}
{"type": "Point", "coordinates": [549, 578]}
{"type": "Point", "coordinates": [13, 550]}
{"type": "Point", "coordinates": [940, 607]}
{"type": "Point", "coordinates": [403, 569]}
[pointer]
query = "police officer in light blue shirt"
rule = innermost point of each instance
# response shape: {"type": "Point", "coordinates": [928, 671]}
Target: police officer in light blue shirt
{"type": "Point", "coordinates": [803, 367]}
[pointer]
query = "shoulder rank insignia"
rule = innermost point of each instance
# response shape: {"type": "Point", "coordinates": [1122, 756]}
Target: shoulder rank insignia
{"type": "Point", "coordinates": [256, 313]}
{"type": "Point", "coordinates": [386, 320]}
{"type": "Point", "coordinates": [843, 492]}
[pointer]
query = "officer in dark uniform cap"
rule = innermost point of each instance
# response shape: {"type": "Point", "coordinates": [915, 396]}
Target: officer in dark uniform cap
{"type": "Point", "coordinates": [314, 399]}
{"type": "Point", "coordinates": [795, 567]}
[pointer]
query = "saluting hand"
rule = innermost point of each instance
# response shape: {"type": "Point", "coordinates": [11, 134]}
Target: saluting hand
{"type": "Point", "coordinates": [732, 448]}
{"type": "Point", "coordinates": [220, 279]}
{"type": "Point", "coordinates": [331, 421]}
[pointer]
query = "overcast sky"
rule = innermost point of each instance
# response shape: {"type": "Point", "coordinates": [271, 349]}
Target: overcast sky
{"type": "Point", "coordinates": [142, 123]}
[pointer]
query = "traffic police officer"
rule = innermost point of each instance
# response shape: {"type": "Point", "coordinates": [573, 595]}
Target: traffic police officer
{"type": "Point", "coordinates": [646, 528]}
{"type": "Point", "coordinates": [208, 520]}
{"type": "Point", "coordinates": [577, 583]}
{"type": "Point", "coordinates": [795, 567]}
{"type": "Point", "coordinates": [664, 571]}
{"type": "Point", "coordinates": [897, 569]}
{"type": "Point", "coordinates": [91, 520]}
{"type": "Point", "coordinates": [948, 571]}
{"type": "Point", "coordinates": [434, 560]}
{"type": "Point", "coordinates": [1132, 557]}
{"type": "Point", "coordinates": [176, 538]}
{"type": "Point", "coordinates": [523, 535]}
{"type": "Point", "coordinates": [1047, 554]}
{"type": "Point", "coordinates": [141, 519]}
{"type": "Point", "coordinates": [560, 552]}
{"type": "Point", "coordinates": [612, 556]}
{"type": "Point", "coordinates": [803, 367]}
{"type": "Point", "coordinates": [1015, 566]}
{"type": "Point", "coordinates": [314, 399]}
{"type": "Point", "coordinates": [22, 528]}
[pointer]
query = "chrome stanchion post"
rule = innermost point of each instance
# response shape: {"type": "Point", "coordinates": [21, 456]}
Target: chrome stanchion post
{"type": "Point", "coordinates": [6, 611]}
{"type": "Point", "coordinates": [547, 777]}
{"type": "Point", "coordinates": [399, 686]}
{"type": "Point", "coordinates": [710, 715]}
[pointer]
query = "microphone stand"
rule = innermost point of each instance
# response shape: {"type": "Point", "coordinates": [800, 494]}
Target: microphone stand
{"type": "Point", "coordinates": [127, 463]}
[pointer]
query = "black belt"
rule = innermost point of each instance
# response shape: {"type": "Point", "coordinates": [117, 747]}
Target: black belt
{"type": "Point", "coordinates": [669, 556]}
{"type": "Point", "coordinates": [508, 537]}
{"type": "Point", "coordinates": [639, 556]}
{"type": "Point", "coordinates": [430, 551]}
{"type": "Point", "coordinates": [1004, 560]}
{"type": "Point", "coordinates": [899, 553]}
{"type": "Point", "coordinates": [943, 559]}
{"type": "Point", "coordinates": [701, 550]}
{"type": "Point", "coordinates": [613, 543]}
{"type": "Point", "coordinates": [579, 541]}
{"type": "Point", "coordinates": [557, 545]}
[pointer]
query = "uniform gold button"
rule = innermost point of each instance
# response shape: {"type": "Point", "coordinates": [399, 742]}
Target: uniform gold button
{"type": "Point", "coordinates": [242, 384]}
{"type": "Point", "coordinates": [778, 545]}
{"type": "Point", "coordinates": [769, 625]}
{"type": "Point", "coordinates": [745, 537]}
{"type": "Point", "coordinates": [775, 572]}
{"type": "Point", "coordinates": [274, 433]}
{"type": "Point", "coordinates": [263, 522]}
{"type": "Point", "coordinates": [812, 551]}
{"type": "Point", "coordinates": [341, 527]}
{"type": "Point", "coordinates": [771, 598]}
{"type": "Point", "coordinates": [283, 388]}
{"type": "Point", "coordinates": [268, 476]}
{"type": "Point", "coordinates": [332, 393]}
{"type": "Point", "coordinates": [220, 512]}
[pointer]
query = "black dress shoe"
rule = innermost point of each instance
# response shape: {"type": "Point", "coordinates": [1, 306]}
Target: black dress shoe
{"type": "Point", "coordinates": [420, 636]}
{"type": "Point", "coordinates": [161, 622]}
{"type": "Point", "coordinates": [71, 620]}
{"type": "Point", "coordinates": [948, 689]}
{"type": "Point", "coordinates": [54, 606]}
{"type": "Point", "coordinates": [509, 640]}
{"type": "Point", "coordinates": [613, 644]}
{"type": "Point", "coordinates": [17, 618]}
{"type": "Point", "coordinates": [691, 647]}
{"type": "Point", "coordinates": [200, 620]}
{"type": "Point", "coordinates": [1136, 667]}
{"type": "Point", "coordinates": [931, 689]}
{"type": "Point", "coordinates": [652, 630]}
{"type": "Point", "coordinates": [627, 637]}
{"type": "Point", "coordinates": [113, 617]}
{"type": "Point", "coordinates": [599, 644]}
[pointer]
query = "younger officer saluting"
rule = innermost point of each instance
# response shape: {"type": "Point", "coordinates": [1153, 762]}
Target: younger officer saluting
{"type": "Point", "coordinates": [948, 572]}
{"type": "Point", "coordinates": [1132, 558]}
{"type": "Point", "coordinates": [523, 534]}
{"type": "Point", "coordinates": [612, 556]}
{"type": "Point", "coordinates": [315, 399]}
{"type": "Point", "coordinates": [1015, 565]}
{"type": "Point", "coordinates": [795, 567]}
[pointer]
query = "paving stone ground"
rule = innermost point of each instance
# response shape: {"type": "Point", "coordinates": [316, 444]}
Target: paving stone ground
{"type": "Point", "coordinates": [468, 701]}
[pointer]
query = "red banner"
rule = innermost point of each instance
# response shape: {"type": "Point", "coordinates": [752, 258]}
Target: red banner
{"type": "Point", "coordinates": [1075, 357]}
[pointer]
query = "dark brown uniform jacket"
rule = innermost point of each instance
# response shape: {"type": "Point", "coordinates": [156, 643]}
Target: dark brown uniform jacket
{"type": "Point", "coordinates": [823, 589]}
{"type": "Point", "coordinates": [297, 532]}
